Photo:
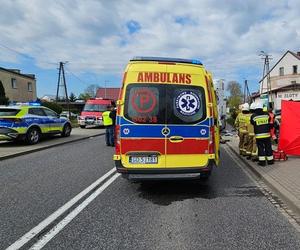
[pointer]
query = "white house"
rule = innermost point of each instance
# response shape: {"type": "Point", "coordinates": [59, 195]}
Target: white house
{"type": "Point", "coordinates": [284, 80]}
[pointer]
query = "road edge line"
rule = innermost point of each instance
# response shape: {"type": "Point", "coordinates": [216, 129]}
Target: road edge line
{"type": "Point", "coordinates": [47, 147]}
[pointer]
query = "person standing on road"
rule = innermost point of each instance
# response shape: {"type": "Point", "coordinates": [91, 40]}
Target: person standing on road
{"type": "Point", "coordinates": [108, 124]}
{"type": "Point", "coordinates": [241, 126]}
{"type": "Point", "coordinates": [251, 147]}
{"type": "Point", "coordinates": [112, 115]}
{"type": "Point", "coordinates": [261, 123]}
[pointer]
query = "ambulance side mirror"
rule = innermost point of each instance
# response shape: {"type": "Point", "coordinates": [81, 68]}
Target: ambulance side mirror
{"type": "Point", "coordinates": [120, 102]}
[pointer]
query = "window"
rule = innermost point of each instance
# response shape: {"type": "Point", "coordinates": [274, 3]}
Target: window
{"type": "Point", "coordinates": [50, 113]}
{"type": "Point", "coordinates": [13, 83]}
{"type": "Point", "coordinates": [164, 104]}
{"type": "Point", "coordinates": [36, 111]}
{"type": "Point", "coordinates": [29, 86]}
{"type": "Point", "coordinates": [295, 69]}
{"type": "Point", "coordinates": [145, 104]}
{"type": "Point", "coordinates": [95, 107]}
{"type": "Point", "coordinates": [185, 104]}
{"type": "Point", "coordinates": [8, 112]}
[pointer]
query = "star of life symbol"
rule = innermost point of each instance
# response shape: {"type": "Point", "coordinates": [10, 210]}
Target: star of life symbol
{"type": "Point", "coordinates": [187, 103]}
{"type": "Point", "coordinates": [126, 131]}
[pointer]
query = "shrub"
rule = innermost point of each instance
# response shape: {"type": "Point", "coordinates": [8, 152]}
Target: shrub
{"type": "Point", "coordinates": [52, 105]}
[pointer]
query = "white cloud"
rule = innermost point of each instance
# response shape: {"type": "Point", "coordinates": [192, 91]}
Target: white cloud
{"type": "Point", "coordinates": [93, 36]}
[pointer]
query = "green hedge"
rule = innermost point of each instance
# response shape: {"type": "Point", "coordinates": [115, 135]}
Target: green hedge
{"type": "Point", "coordinates": [52, 105]}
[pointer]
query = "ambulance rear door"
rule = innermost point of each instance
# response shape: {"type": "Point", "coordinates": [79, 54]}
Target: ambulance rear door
{"type": "Point", "coordinates": [187, 125]}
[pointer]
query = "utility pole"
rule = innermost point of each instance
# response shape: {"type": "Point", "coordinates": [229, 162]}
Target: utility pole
{"type": "Point", "coordinates": [61, 83]}
{"type": "Point", "coordinates": [266, 73]}
{"type": "Point", "coordinates": [246, 92]}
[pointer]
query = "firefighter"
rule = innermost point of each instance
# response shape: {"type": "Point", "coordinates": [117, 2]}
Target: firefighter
{"type": "Point", "coordinates": [261, 123]}
{"type": "Point", "coordinates": [251, 149]}
{"type": "Point", "coordinates": [241, 126]}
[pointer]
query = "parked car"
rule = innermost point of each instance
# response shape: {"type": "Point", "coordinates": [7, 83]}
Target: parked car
{"type": "Point", "coordinates": [66, 114]}
{"type": "Point", "coordinates": [29, 122]}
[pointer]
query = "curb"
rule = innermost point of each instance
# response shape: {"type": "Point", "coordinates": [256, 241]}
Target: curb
{"type": "Point", "coordinates": [281, 192]}
{"type": "Point", "coordinates": [46, 147]}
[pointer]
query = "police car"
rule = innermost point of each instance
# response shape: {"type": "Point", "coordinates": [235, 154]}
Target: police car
{"type": "Point", "coordinates": [30, 121]}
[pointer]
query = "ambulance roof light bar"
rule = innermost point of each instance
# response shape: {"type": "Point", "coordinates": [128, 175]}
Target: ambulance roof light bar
{"type": "Point", "coordinates": [166, 59]}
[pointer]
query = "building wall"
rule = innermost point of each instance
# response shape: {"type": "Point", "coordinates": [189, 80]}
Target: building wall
{"type": "Point", "coordinates": [220, 91]}
{"type": "Point", "coordinates": [21, 92]}
{"type": "Point", "coordinates": [288, 78]}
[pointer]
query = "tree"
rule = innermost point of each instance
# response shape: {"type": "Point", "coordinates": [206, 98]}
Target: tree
{"type": "Point", "coordinates": [3, 99]}
{"type": "Point", "coordinates": [92, 90]}
{"type": "Point", "coordinates": [52, 105]}
{"type": "Point", "coordinates": [72, 97]}
{"type": "Point", "coordinates": [84, 96]}
{"type": "Point", "coordinates": [235, 98]}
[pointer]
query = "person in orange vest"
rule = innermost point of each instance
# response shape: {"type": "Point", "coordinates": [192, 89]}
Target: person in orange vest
{"type": "Point", "coordinates": [272, 121]}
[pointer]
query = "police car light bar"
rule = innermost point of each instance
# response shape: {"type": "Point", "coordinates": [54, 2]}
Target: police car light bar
{"type": "Point", "coordinates": [28, 104]}
{"type": "Point", "coordinates": [166, 59]}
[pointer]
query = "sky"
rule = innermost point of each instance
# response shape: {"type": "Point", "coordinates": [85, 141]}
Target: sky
{"type": "Point", "coordinates": [97, 37]}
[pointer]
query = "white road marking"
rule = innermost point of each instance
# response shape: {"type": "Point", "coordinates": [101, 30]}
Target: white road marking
{"type": "Point", "coordinates": [36, 230]}
{"type": "Point", "coordinates": [65, 221]}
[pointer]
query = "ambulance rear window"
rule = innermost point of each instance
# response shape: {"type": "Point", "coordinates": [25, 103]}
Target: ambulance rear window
{"type": "Point", "coordinates": [164, 104]}
{"type": "Point", "coordinates": [144, 103]}
{"type": "Point", "coordinates": [185, 104]}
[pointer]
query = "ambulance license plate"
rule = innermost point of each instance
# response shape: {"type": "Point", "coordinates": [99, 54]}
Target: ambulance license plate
{"type": "Point", "coordinates": [143, 159]}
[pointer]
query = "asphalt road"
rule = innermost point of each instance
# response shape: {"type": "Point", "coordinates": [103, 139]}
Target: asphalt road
{"type": "Point", "coordinates": [227, 212]}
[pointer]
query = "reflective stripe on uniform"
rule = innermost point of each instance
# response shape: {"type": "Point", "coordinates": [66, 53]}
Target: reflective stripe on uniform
{"type": "Point", "coordinates": [261, 158]}
{"type": "Point", "coordinates": [270, 158]}
{"type": "Point", "coordinates": [262, 135]}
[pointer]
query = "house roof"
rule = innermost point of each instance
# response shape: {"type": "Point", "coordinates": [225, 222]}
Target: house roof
{"type": "Point", "coordinates": [109, 93]}
{"type": "Point", "coordinates": [294, 54]}
{"type": "Point", "coordinates": [290, 86]}
{"type": "Point", "coordinates": [30, 76]}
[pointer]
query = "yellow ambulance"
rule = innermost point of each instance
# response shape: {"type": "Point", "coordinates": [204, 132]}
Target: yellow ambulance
{"type": "Point", "coordinates": [166, 124]}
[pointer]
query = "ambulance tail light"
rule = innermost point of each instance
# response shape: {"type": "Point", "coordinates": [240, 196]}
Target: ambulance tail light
{"type": "Point", "coordinates": [118, 139]}
{"type": "Point", "coordinates": [211, 143]}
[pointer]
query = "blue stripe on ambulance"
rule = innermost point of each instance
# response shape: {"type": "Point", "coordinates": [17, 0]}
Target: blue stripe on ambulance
{"type": "Point", "coordinates": [132, 130]}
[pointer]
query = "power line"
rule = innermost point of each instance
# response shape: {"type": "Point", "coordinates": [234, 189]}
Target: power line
{"type": "Point", "coordinates": [68, 71]}
{"type": "Point", "coordinates": [15, 51]}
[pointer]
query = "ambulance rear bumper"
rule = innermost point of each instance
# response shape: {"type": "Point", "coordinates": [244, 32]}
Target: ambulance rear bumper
{"type": "Point", "coordinates": [164, 173]}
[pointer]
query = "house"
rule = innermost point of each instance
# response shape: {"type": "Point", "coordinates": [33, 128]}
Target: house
{"type": "Point", "coordinates": [284, 80]}
{"type": "Point", "coordinates": [49, 98]}
{"type": "Point", "coordinates": [108, 93]}
{"type": "Point", "coordinates": [18, 87]}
